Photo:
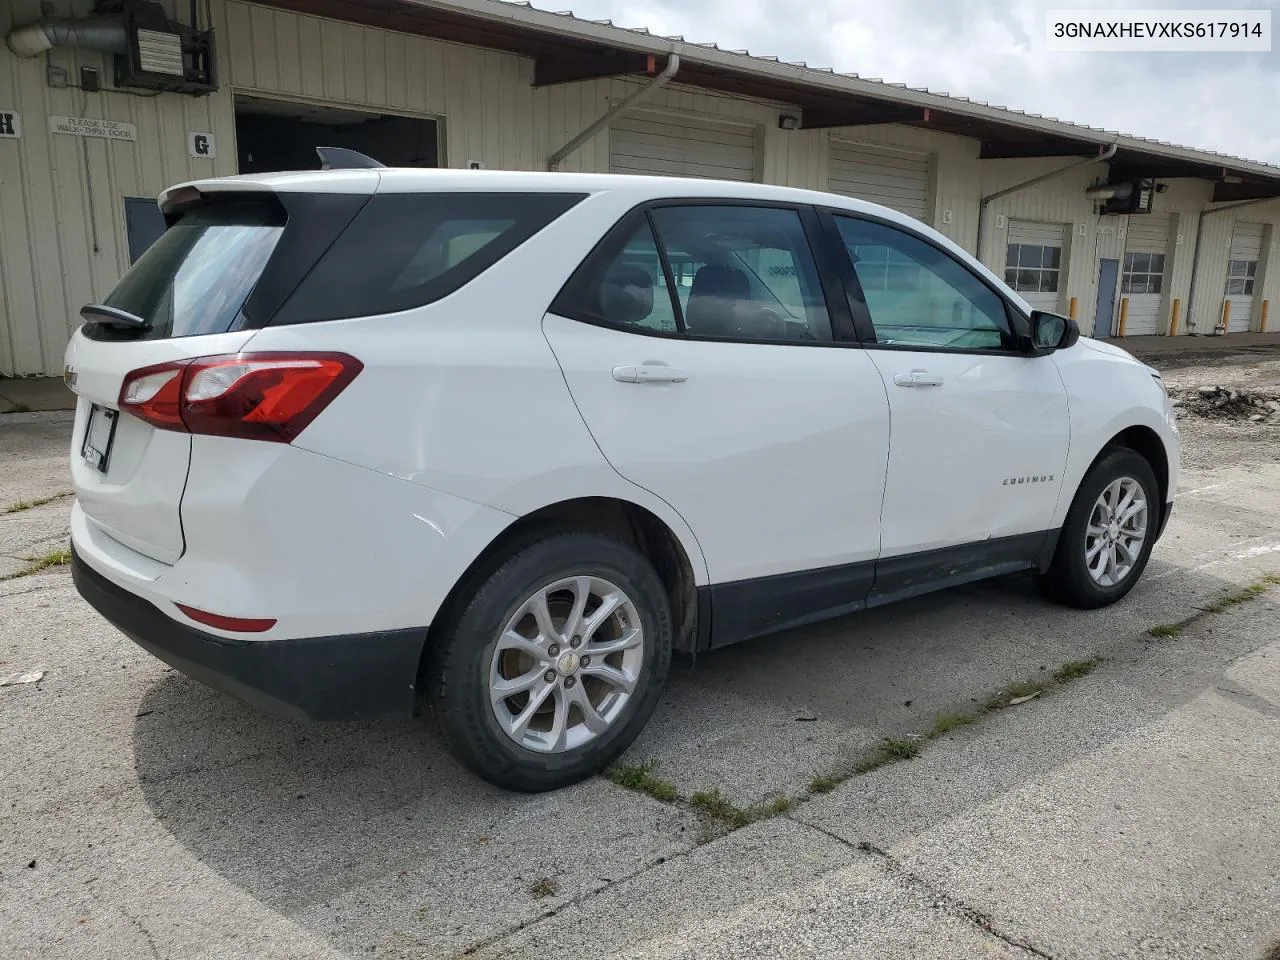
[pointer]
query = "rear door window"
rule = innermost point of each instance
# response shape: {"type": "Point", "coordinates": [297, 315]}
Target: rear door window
{"type": "Point", "coordinates": [406, 250]}
{"type": "Point", "coordinates": [197, 276]}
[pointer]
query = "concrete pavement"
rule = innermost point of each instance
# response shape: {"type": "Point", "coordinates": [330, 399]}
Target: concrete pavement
{"type": "Point", "coordinates": [1127, 813]}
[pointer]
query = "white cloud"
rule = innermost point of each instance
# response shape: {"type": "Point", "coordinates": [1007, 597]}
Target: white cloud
{"type": "Point", "coordinates": [987, 50]}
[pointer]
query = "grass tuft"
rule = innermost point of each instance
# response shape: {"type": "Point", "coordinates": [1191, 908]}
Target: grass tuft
{"type": "Point", "coordinates": [890, 750]}
{"type": "Point", "coordinates": [54, 558]}
{"type": "Point", "coordinates": [780, 805]}
{"type": "Point", "coordinates": [717, 805]}
{"type": "Point", "coordinates": [822, 783]}
{"type": "Point", "coordinates": [1074, 670]}
{"type": "Point", "coordinates": [639, 777]}
{"type": "Point", "coordinates": [544, 887]}
{"type": "Point", "coordinates": [1246, 593]}
{"type": "Point", "coordinates": [1166, 630]}
{"type": "Point", "coordinates": [948, 722]}
{"type": "Point", "coordinates": [30, 504]}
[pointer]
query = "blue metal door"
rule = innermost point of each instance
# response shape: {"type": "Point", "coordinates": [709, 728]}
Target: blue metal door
{"type": "Point", "coordinates": [1108, 273]}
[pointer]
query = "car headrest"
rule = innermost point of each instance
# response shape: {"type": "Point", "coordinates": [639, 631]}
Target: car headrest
{"type": "Point", "coordinates": [626, 296]}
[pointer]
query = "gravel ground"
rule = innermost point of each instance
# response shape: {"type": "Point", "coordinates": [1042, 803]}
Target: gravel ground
{"type": "Point", "coordinates": [1212, 443]}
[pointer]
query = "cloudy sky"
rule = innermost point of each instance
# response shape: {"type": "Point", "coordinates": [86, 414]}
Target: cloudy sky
{"type": "Point", "coordinates": [994, 51]}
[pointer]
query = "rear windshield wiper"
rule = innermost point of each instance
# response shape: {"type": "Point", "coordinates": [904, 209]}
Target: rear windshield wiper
{"type": "Point", "coordinates": [113, 317]}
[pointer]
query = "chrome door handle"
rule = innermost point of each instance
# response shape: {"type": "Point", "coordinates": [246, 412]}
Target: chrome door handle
{"type": "Point", "coordinates": [648, 373]}
{"type": "Point", "coordinates": [917, 378]}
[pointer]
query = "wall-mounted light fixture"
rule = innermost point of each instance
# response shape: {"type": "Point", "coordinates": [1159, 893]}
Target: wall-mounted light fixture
{"type": "Point", "coordinates": [787, 122]}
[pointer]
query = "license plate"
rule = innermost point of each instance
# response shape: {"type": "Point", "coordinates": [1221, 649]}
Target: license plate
{"type": "Point", "coordinates": [98, 435]}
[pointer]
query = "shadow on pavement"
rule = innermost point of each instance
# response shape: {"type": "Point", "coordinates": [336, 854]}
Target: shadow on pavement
{"type": "Point", "coordinates": [371, 835]}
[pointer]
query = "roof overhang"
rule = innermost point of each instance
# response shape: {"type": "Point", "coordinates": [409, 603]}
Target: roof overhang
{"type": "Point", "coordinates": [566, 49]}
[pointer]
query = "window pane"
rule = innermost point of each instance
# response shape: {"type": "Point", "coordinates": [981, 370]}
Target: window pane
{"type": "Point", "coordinates": [1128, 263]}
{"type": "Point", "coordinates": [946, 306]}
{"type": "Point", "coordinates": [626, 287]}
{"type": "Point", "coordinates": [1235, 268]}
{"type": "Point", "coordinates": [404, 250]}
{"type": "Point", "coordinates": [1049, 282]}
{"type": "Point", "coordinates": [1032, 256]}
{"type": "Point", "coordinates": [1012, 255]}
{"type": "Point", "coordinates": [1157, 263]}
{"type": "Point", "coordinates": [1126, 283]}
{"type": "Point", "coordinates": [198, 275]}
{"type": "Point", "coordinates": [1155, 283]}
{"type": "Point", "coordinates": [1248, 287]}
{"type": "Point", "coordinates": [752, 275]}
{"type": "Point", "coordinates": [1251, 268]}
{"type": "Point", "coordinates": [1052, 257]}
{"type": "Point", "coordinates": [1141, 262]}
{"type": "Point", "coordinates": [1235, 286]}
{"type": "Point", "coordinates": [1028, 281]}
{"type": "Point", "coordinates": [1011, 278]}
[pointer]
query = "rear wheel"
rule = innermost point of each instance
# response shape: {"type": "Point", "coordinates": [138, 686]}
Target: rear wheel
{"type": "Point", "coordinates": [554, 664]}
{"type": "Point", "coordinates": [1108, 534]}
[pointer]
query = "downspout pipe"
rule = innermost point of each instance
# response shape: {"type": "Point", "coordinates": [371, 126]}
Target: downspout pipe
{"type": "Point", "coordinates": [1103, 156]}
{"type": "Point", "coordinates": [94, 33]}
{"type": "Point", "coordinates": [1195, 255]}
{"type": "Point", "coordinates": [661, 80]}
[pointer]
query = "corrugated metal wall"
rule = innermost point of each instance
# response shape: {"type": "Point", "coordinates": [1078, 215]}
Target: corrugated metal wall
{"type": "Point", "coordinates": [1060, 200]}
{"type": "Point", "coordinates": [1210, 278]}
{"type": "Point", "coordinates": [62, 234]}
{"type": "Point", "coordinates": [59, 248]}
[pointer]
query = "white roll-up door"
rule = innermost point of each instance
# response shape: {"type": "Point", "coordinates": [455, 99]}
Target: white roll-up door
{"type": "Point", "coordinates": [671, 146]}
{"type": "Point", "coordinates": [1242, 272]}
{"type": "Point", "coordinates": [895, 179]}
{"type": "Point", "coordinates": [1034, 263]}
{"type": "Point", "coordinates": [1146, 249]}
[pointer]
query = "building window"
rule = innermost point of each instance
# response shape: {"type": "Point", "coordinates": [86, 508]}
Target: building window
{"type": "Point", "coordinates": [1240, 276]}
{"type": "Point", "coordinates": [1033, 269]}
{"type": "Point", "coordinates": [1143, 273]}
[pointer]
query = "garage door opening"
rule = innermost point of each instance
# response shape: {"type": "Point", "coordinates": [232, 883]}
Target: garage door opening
{"type": "Point", "coordinates": [273, 135]}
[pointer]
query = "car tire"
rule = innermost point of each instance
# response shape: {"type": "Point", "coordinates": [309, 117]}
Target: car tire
{"type": "Point", "coordinates": [497, 639]}
{"type": "Point", "coordinates": [1088, 534]}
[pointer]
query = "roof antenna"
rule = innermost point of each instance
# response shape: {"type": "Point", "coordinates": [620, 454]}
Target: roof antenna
{"type": "Point", "coordinates": [340, 158]}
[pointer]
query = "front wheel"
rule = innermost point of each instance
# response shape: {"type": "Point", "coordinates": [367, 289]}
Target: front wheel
{"type": "Point", "coordinates": [554, 664]}
{"type": "Point", "coordinates": [1108, 534]}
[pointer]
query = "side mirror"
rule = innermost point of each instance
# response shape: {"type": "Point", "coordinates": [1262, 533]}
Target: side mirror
{"type": "Point", "coordinates": [1051, 331]}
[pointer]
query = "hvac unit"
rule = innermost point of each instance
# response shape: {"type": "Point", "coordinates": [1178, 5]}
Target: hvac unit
{"type": "Point", "coordinates": [163, 54]}
{"type": "Point", "coordinates": [1129, 196]}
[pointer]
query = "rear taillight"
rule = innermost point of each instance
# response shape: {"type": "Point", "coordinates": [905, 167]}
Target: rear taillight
{"type": "Point", "coordinates": [253, 396]}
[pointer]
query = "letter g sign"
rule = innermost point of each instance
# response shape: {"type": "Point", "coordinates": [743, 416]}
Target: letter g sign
{"type": "Point", "coordinates": [201, 145]}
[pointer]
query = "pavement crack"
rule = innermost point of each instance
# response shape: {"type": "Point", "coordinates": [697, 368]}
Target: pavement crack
{"type": "Point", "coordinates": [1247, 699]}
{"type": "Point", "coordinates": [953, 905]}
{"type": "Point", "coordinates": [151, 941]}
{"type": "Point", "coordinates": [583, 898]}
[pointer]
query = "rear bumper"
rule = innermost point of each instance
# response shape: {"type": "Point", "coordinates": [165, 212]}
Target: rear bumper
{"type": "Point", "coordinates": [321, 678]}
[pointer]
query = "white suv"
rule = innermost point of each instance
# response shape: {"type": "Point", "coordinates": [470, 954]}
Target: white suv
{"type": "Point", "coordinates": [354, 440]}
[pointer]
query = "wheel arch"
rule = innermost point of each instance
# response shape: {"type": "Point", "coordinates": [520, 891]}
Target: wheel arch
{"type": "Point", "coordinates": [1145, 442]}
{"type": "Point", "coordinates": [623, 520]}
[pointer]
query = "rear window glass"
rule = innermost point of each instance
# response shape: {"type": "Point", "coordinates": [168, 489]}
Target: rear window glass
{"type": "Point", "coordinates": [406, 250]}
{"type": "Point", "coordinates": [196, 277]}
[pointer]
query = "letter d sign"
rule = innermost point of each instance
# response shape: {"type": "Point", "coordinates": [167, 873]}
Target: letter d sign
{"type": "Point", "coordinates": [201, 145]}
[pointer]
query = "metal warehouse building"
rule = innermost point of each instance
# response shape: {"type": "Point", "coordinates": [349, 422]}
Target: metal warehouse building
{"type": "Point", "coordinates": [102, 106]}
